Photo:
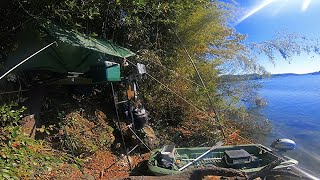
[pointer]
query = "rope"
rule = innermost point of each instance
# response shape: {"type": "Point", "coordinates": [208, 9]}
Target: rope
{"type": "Point", "coordinates": [176, 73]}
{"type": "Point", "coordinates": [250, 142]}
{"type": "Point", "coordinates": [209, 98]}
{"type": "Point", "coordinates": [11, 92]}
{"type": "Point", "coordinates": [27, 59]}
{"type": "Point", "coordinates": [31, 15]}
{"type": "Point", "coordinates": [182, 98]}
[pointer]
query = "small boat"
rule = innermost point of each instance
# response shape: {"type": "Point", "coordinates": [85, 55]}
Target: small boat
{"type": "Point", "coordinates": [249, 158]}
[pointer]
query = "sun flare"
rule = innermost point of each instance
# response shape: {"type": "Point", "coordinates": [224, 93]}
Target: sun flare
{"type": "Point", "coordinates": [255, 10]}
{"type": "Point", "coordinates": [305, 5]}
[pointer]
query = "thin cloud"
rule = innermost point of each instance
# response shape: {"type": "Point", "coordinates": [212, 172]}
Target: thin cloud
{"type": "Point", "coordinates": [281, 6]}
{"type": "Point", "coordinates": [305, 5]}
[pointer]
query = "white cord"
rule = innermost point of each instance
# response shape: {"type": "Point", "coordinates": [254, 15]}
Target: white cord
{"type": "Point", "coordinates": [27, 59]}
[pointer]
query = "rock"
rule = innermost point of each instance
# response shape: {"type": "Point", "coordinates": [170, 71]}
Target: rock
{"type": "Point", "coordinates": [89, 177]}
{"type": "Point", "coordinates": [261, 101]}
{"type": "Point", "coordinates": [150, 139]}
{"type": "Point", "coordinates": [146, 135]}
{"type": "Point", "coordinates": [124, 161]}
{"type": "Point", "coordinates": [198, 174]}
{"type": "Point", "coordinates": [28, 125]}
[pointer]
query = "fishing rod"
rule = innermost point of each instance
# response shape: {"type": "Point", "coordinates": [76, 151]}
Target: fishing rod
{"type": "Point", "coordinates": [308, 175]}
{"type": "Point", "coordinates": [203, 84]}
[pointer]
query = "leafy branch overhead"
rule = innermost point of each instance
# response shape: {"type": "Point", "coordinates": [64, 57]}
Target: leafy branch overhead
{"type": "Point", "coordinates": [286, 45]}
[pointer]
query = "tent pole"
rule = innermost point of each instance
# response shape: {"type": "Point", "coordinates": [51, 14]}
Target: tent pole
{"type": "Point", "coordinates": [131, 106]}
{"type": "Point", "coordinates": [6, 73]}
{"type": "Point", "coordinates": [119, 126]}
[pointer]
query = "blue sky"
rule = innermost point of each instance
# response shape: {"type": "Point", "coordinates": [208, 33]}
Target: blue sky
{"type": "Point", "coordinates": [261, 19]}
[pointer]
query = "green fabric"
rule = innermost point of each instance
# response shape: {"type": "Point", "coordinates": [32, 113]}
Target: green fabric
{"type": "Point", "coordinates": [76, 39]}
{"type": "Point", "coordinates": [74, 53]}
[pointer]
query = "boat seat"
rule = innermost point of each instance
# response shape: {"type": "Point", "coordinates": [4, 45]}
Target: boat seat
{"type": "Point", "coordinates": [195, 155]}
{"type": "Point", "coordinates": [237, 157]}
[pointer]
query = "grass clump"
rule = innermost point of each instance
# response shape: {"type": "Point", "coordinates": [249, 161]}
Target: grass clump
{"type": "Point", "coordinates": [81, 137]}
{"type": "Point", "coordinates": [21, 157]}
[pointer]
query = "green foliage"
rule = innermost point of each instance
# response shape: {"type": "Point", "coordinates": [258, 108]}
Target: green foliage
{"type": "Point", "coordinates": [81, 137]}
{"type": "Point", "coordinates": [10, 114]}
{"type": "Point", "coordinates": [286, 45]}
{"type": "Point", "coordinates": [21, 156]}
{"type": "Point", "coordinates": [46, 129]}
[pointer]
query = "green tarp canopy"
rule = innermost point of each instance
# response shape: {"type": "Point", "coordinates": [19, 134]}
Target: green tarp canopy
{"type": "Point", "coordinates": [74, 53]}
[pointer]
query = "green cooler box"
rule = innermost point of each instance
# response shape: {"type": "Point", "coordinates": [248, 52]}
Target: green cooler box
{"type": "Point", "coordinates": [105, 71]}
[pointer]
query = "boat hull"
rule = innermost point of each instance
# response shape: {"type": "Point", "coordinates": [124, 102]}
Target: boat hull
{"type": "Point", "coordinates": [262, 154]}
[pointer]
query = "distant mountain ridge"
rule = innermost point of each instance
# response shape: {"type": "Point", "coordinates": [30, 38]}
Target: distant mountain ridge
{"type": "Point", "coordinates": [255, 76]}
{"type": "Point", "coordinates": [293, 74]}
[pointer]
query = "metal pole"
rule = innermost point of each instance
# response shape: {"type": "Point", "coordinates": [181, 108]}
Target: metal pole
{"type": "Point", "coordinates": [130, 107]}
{"type": "Point", "coordinates": [119, 125]}
{"type": "Point", "coordinates": [133, 149]}
{"type": "Point", "coordinates": [6, 73]}
{"type": "Point", "coordinates": [201, 156]}
{"type": "Point", "coordinates": [129, 126]}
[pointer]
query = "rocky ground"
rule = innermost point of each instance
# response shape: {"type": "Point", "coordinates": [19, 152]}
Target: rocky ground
{"type": "Point", "coordinates": [101, 165]}
{"type": "Point", "coordinates": [104, 164]}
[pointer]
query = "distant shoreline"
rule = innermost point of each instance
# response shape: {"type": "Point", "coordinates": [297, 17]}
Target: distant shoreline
{"type": "Point", "coordinates": [259, 76]}
{"type": "Point", "coordinates": [293, 74]}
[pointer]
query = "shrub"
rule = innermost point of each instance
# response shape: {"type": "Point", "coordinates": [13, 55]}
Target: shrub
{"type": "Point", "coordinates": [21, 157]}
{"type": "Point", "coordinates": [10, 114]}
{"type": "Point", "coordinates": [79, 136]}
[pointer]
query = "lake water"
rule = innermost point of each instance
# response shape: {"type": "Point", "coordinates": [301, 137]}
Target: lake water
{"type": "Point", "coordinates": [294, 110]}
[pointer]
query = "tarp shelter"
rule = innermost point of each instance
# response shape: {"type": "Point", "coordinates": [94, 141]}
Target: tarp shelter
{"type": "Point", "coordinates": [74, 53]}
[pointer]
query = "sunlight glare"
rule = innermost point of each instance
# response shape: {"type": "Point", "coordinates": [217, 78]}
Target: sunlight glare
{"type": "Point", "coordinates": [256, 9]}
{"type": "Point", "coordinates": [305, 5]}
